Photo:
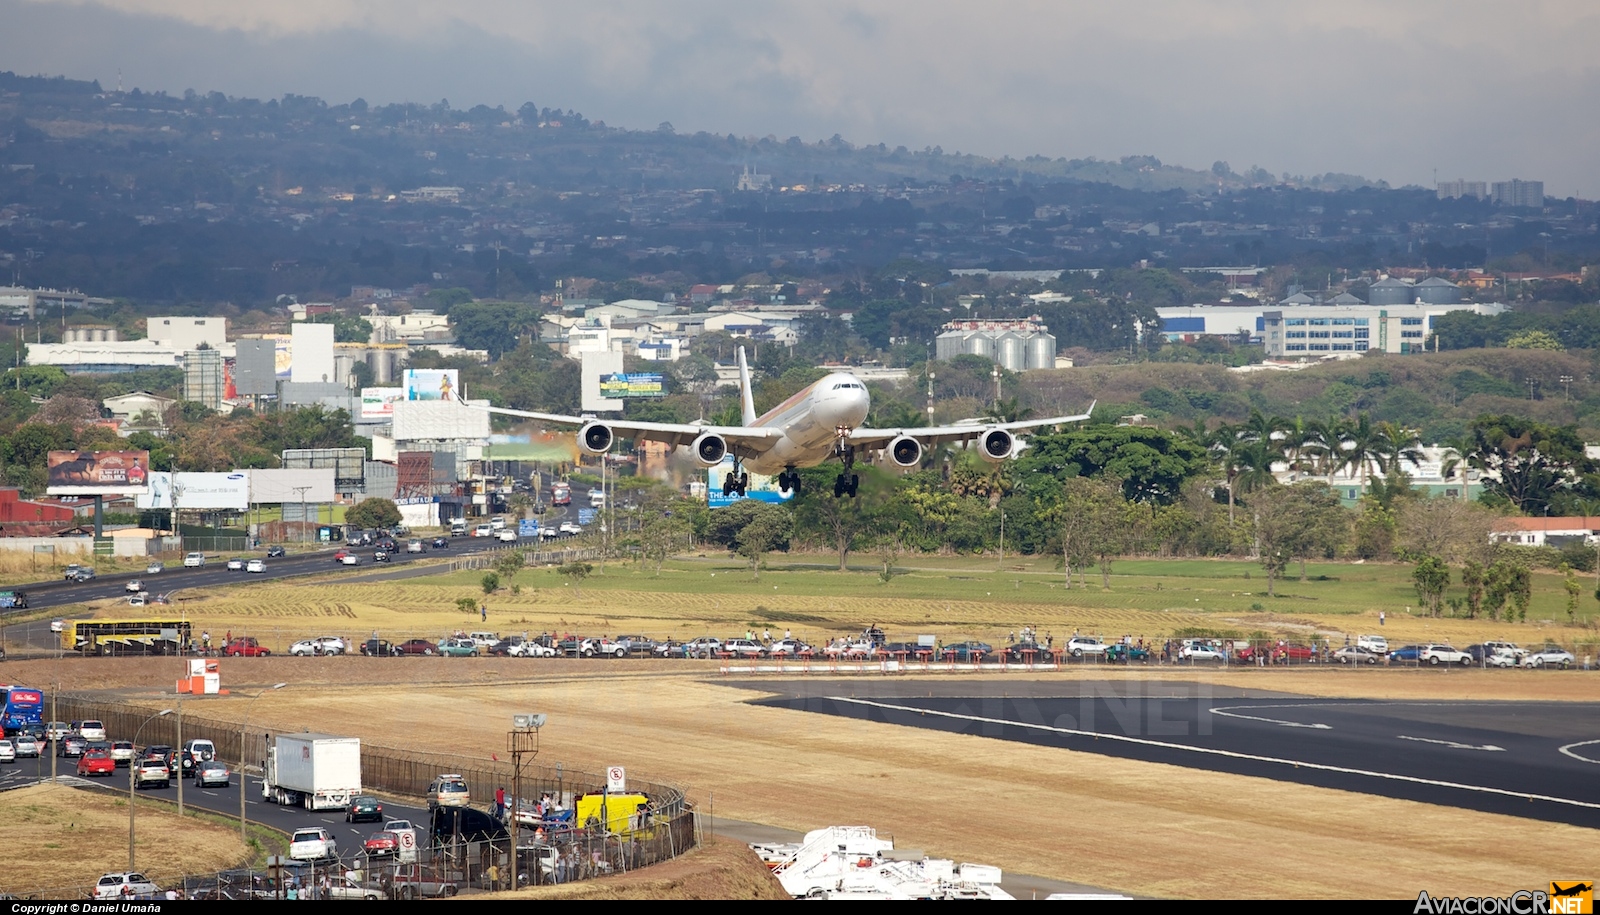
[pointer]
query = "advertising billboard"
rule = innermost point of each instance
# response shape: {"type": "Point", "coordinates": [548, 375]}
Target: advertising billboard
{"type": "Point", "coordinates": [97, 473]}
{"type": "Point", "coordinates": [760, 487]}
{"type": "Point", "coordinates": [198, 491]}
{"type": "Point", "coordinates": [275, 487]}
{"type": "Point", "coordinates": [378, 403]}
{"type": "Point", "coordinates": [432, 384]}
{"type": "Point", "coordinates": [623, 385]}
{"type": "Point", "coordinates": [440, 420]}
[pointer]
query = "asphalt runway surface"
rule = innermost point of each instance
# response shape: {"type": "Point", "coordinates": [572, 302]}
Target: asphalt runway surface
{"type": "Point", "coordinates": [1528, 759]}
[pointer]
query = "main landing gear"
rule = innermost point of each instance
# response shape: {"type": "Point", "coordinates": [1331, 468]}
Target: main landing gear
{"type": "Point", "coordinates": [735, 482]}
{"type": "Point", "coordinates": [846, 482]}
{"type": "Point", "coordinates": [789, 481]}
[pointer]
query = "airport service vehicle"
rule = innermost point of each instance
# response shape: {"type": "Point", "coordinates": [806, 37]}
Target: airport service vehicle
{"type": "Point", "coordinates": [1549, 656]}
{"type": "Point", "coordinates": [316, 771]}
{"type": "Point", "coordinates": [822, 422]}
{"type": "Point", "coordinates": [851, 862]}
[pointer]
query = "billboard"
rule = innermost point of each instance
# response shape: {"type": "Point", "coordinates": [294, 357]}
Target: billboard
{"type": "Point", "coordinates": [312, 351]}
{"type": "Point", "coordinates": [432, 384]}
{"type": "Point", "coordinates": [275, 487]}
{"type": "Point", "coordinates": [447, 420]}
{"type": "Point", "coordinates": [97, 473]}
{"type": "Point", "coordinates": [378, 403]}
{"type": "Point", "coordinates": [349, 465]}
{"type": "Point", "coordinates": [198, 491]}
{"type": "Point", "coordinates": [760, 487]}
{"type": "Point", "coordinates": [623, 384]}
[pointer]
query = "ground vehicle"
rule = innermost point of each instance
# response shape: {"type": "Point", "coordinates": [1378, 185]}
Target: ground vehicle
{"type": "Point", "coordinates": [255, 565]}
{"type": "Point", "coordinates": [26, 745]}
{"type": "Point", "coordinates": [134, 586]}
{"type": "Point", "coordinates": [509, 535]}
{"type": "Point", "coordinates": [497, 523]}
{"type": "Point", "coordinates": [560, 493]}
{"type": "Point", "coordinates": [120, 886]}
{"type": "Point", "coordinates": [1355, 654]}
{"type": "Point", "coordinates": [965, 651]}
{"type": "Point", "coordinates": [1276, 654]}
{"type": "Point", "coordinates": [483, 639]}
{"type": "Point", "coordinates": [531, 648]}
{"type": "Point", "coordinates": [1405, 653]}
{"type": "Point", "coordinates": [194, 752]}
{"type": "Point", "coordinates": [482, 530]}
{"type": "Point", "coordinates": [236, 564]}
{"type": "Point", "coordinates": [458, 528]}
{"type": "Point", "coordinates": [92, 729]}
{"type": "Point", "coordinates": [344, 886]}
{"type": "Point", "coordinates": [1194, 650]}
{"type": "Point", "coordinates": [636, 644]}
{"type": "Point", "coordinates": [313, 844]}
{"type": "Point", "coordinates": [1501, 658]}
{"type": "Point", "coordinates": [363, 807]}
{"type": "Point", "coordinates": [602, 647]}
{"type": "Point", "coordinates": [96, 762]}
{"type": "Point", "coordinates": [245, 647]}
{"type": "Point", "coordinates": [569, 528]}
{"type": "Point", "coordinates": [449, 790]}
{"type": "Point", "coordinates": [23, 708]}
{"type": "Point", "coordinates": [155, 568]}
{"type": "Point", "coordinates": [415, 546]}
{"type": "Point", "coordinates": [414, 881]}
{"type": "Point", "coordinates": [788, 648]}
{"type": "Point", "coordinates": [350, 559]}
{"type": "Point", "coordinates": [318, 771]}
{"type": "Point", "coordinates": [1434, 655]}
{"type": "Point", "coordinates": [56, 730]}
{"type": "Point", "coordinates": [739, 648]}
{"type": "Point", "coordinates": [1376, 644]}
{"type": "Point", "coordinates": [458, 648]}
{"type": "Point", "coordinates": [306, 647]}
{"type": "Point", "coordinates": [1122, 651]}
{"type": "Point", "coordinates": [1080, 645]}
{"type": "Point", "coordinates": [378, 648]}
{"type": "Point", "coordinates": [211, 772]}
{"type": "Point", "coordinates": [380, 555]}
{"type": "Point", "coordinates": [83, 574]}
{"type": "Point", "coordinates": [1549, 656]}
{"type": "Point", "coordinates": [13, 600]}
{"type": "Point", "coordinates": [702, 647]}
{"type": "Point", "coordinates": [194, 561]}
{"type": "Point", "coordinates": [72, 746]}
{"type": "Point", "coordinates": [274, 552]}
{"type": "Point", "coordinates": [597, 498]}
{"type": "Point", "coordinates": [406, 851]}
{"type": "Point", "coordinates": [382, 843]}
{"type": "Point", "coordinates": [439, 543]}
{"type": "Point", "coordinates": [8, 753]}
{"type": "Point", "coordinates": [70, 573]}
{"type": "Point", "coordinates": [417, 646]}
{"type": "Point", "coordinates": [146, 635]}
{"type": "Point", "coordinates": [152, 771]}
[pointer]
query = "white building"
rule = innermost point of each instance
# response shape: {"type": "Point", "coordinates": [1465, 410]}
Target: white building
{"type": "Point", "coordinates": [416, 327]}
{"type": "Point", "coordinates": [185, 333]}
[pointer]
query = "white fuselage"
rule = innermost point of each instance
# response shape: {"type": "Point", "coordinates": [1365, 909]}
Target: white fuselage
{"type": "Point", "coordinates": [811, 421]}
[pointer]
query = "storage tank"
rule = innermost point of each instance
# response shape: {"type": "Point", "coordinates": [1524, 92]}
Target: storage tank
{"type": "Point", "coordinates": [1011, 352]}
{"type": "Point", "coordinates": [949, 345]}
{"type": "Point", "coordinates": [1042, 351]}
{"type": "Point", "coordinates": [981, 344]}
{"type": "Point", "coordinates": [1390, 291]}
{"type": "Point", "coordinates": [1438, 291]}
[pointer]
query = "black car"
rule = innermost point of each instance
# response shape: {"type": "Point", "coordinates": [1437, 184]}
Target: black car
{"type": "Point", "coordinates": [364, 807]}
{"type": "Point", "coordinates": [273, 552]}
{"type": "Point", "coordinates": [440, 543]}
{"type": "Point", "coordinates": [965, 651]}
{"type": "Point", "coordinates": [84, 574]}
{"type": "Point", "coordinates": [380, 556]}
{"type": "Point", "coordinates": [72, 745]}
{"type": "Point", "coordinates": [502, 648]}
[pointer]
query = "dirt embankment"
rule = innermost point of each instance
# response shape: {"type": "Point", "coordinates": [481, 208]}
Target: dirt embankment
{"type": "Point", "coordinates": [722, 869]}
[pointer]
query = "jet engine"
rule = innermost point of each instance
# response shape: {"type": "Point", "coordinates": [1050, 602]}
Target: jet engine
{"type": "Point", "coordinates": [596, 438]}
{"type": "Point", "coordinates": [905, 451]}
{"type": "Point", "coordinates": [996, 445]}
{"type": "Point", "coordinates": [709, 449]}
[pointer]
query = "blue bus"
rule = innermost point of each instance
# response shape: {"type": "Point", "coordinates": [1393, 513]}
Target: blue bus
{"type": "Point", "coordinates": [24, 708]}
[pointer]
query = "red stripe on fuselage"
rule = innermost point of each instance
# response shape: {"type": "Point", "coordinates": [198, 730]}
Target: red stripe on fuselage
{"type": "Point", "coordinates": [793, 399]}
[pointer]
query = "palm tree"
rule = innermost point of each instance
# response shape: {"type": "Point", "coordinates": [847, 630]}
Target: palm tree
{"type": "Point", "coordinates": [1400, 445]}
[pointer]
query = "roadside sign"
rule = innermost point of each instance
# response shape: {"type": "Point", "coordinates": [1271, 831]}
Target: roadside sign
{"type": "Point", "coordinates": [528, 527]}
{"type": "Point", "coordinates": [585, 516]}
{"type": "Point", "coordinates": [616, 780]}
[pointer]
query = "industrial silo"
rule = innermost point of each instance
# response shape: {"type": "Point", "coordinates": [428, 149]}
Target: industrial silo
{"type": "Point", "coordinates": [1390, 291]}
{"type": "Point", "coordinates": [949, 345]}
{"type": "Point", "coordinates": [1437, 291]}
{"type": "Point", "coordinates": [981, 344]}
{"type": "Point", "coordinates": [1011, 352]}
{"type": "Point", "coordinates": [1042, 351]}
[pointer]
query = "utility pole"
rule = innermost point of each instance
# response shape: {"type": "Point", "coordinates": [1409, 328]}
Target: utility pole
{"type": "Point", "coordinates": [522, 742]}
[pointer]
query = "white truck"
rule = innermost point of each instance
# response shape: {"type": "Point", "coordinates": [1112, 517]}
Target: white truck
{"type": "Point", "coordinates": [316, 771]}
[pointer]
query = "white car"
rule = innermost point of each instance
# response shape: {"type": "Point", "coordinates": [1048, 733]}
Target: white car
{"type": "Point", "coordinates": [482, 530]}
{"type": "Point", "coordinates": [8, 751]}
{"type": "Point", "coordinates": [119, 886]}
{"type": "Point", "coordinates": [313, 844]}
{"type": "Point", "coordinates": [350, 559]}
{"type": "Point", "coordinates": [1549, 656]}
{"type": "Point", "coordinates": [497, 524]}
{"type": "Point", "coordinates": [739, 648]}
{"type": "Point", "coordinates": [57, 624]}
{"type": "Point", "coordinates": [345, 886]}
{"type": "Point", "coordinates": [1435, 655]}
{"type": "Point", "coordinates": [414, 546]}
{"type": "Point", "coordinates": [255, 565]}
{"type": "Point", "coordinates": [155, 568]}
{"type": "Point", "coordinates": [549, 533]}
{"type": "Point", "coordinates": [530, 649]}
{"type": "Point", "coordinates": [507, 536]}
{"type": "Point", "coordinates": [1201, 651]}
{"type": "Point", "coordinates": [1376, 644]}
{"type": "Point", "coordinates": [1501, 657]}
{"type": "Point", "coordinates": [93, 729]}
{"type": "Point", "coordinates": [571, 527]}
{"type": "Point", "coordinates": [134, 586]}
{"type": "Point", "coordinates": [1080, 645]}
{"type": "Point", "coordinates": [194, 561]}
{"type": "Point", "coordinates": [236, 564]}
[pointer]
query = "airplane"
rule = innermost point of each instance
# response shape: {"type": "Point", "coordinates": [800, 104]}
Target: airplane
{"type": "Point", "coordinates": [816, 424]}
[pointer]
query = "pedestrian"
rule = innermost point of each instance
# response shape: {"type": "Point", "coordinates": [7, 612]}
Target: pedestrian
{"type": "Point", "coordinates": [494, 875]}
{"type": "Point", "coordinates": [205, 639]}
{"type": "Point", "coordinates": [1381, 617]}
{"type": "Point", "coordinates": [483, 612]}
{"type": "Point", "coordinates": [766, 636]}
{"type": "Point", "coordinates": [500, 802]}
{"type": "Point", "coordinates": [786, 634]}
{"type": "Point", "coordinates": [228, 638]}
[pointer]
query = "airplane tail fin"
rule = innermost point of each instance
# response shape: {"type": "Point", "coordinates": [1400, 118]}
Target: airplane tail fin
{"type": "Point", "coordinates": [746, 396]}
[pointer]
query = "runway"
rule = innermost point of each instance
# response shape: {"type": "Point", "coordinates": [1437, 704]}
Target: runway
{"type": "Point", "coordinates": [1530, 759]}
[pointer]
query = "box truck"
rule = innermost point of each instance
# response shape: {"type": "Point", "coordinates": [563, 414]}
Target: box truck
{"type": "Point", "coordinates": [317, 771]}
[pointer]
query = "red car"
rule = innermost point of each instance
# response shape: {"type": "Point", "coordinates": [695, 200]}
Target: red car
{"type": "Point", "coordinates": [416, 646]}
{"type": "Point", "coordinates": [246, 647]}
{"type": "Point", "coordinates": [385, 842]}
{"type": "Point", "coordinates": [96, 762]}
{"type": "Point", "coordinates": [339, 556]}
{"type": "Point", "coordinates": [1277, 654]}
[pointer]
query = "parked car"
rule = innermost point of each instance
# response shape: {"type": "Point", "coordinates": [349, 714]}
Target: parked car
{"type": "Point", "coordinates": [273, 552]}
{"type": "Point", "coordinates": [1275, 654]}
{"type": "Point", "coordinates": [1376, 644]}
{"type": "Point", "coordinates": [194, 561]}
{"type": "Point", "coordinates": [245, 647]}
{"type": "Point", "coordinates": [305, 648]}
{"type": "Point", "coordinates": [1356, 654]}
{"type": "Point", "coordinates": [1435, 655]}
{"type": "Point", "coordinates": [378, 648]}
{"type": "Point", "coordinates": [702, 647]}
{"type": "Point", "coordinates": [121, 886]}
{"type": "Point", "coordinates": [256, 566]}
{"type": "Point", "coordinates": [1549, 656]}
{"type": "Point", "coordinates": [313, 844]}
{"type": "Point", "coordinates": [417, 646]}
{"type": "Point", "coordinates": [532, 648]}
{"type": "Point", "coordinates": [152, 771]}
{"type": "Point", "coordinates": [96, 762]}
{"type": "Point", "coordinates": [1081, 646]}
{"type": "Point", "coordinates": [1195, 650]}
{"type": "Point", "coordinates": [739, 648]}
{"type": "Point", "coordinates": [210, 773]}
{"type": "Point", "coordinates": [789, 648]}
{"type": "Point", "coordinates": [1503, 658]}
{"type": "Point", "coordinates": [965, 651]}
{"type": "Point", "coordinates": [1405, 654]}
{"type": "Point", "coordinates": [458, 648]}
{"type": "Point", "coordinates": [1123, 652]}
{"type": "Point", "coordinates": [364, 807]}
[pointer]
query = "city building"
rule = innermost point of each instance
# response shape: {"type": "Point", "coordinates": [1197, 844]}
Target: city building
{"type": "Point", "coordinates": [1518, 193]}
{"type": "Point", "coordinates": [1556, 532]}
{"type": "Point", "coordinates": [203, 377]}
{"type": "Point", "coordinates": [1450, 190]}
{"type": "Point", "coordinates": [127, 408]}
{"type": "Point", "coordinates": [187, 333]}
{"type": "Point", "coordinates": [1317, 330]}
{"type": "Point", "coordinates": [20, 300]}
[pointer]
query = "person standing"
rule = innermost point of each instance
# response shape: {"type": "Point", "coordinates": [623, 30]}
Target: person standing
{"type": "Point", "coordinates": [1381, 617]}
{"type": "Point", "coordinates": [500, 802]}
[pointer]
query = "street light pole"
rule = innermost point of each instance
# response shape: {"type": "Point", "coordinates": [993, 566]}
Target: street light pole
{"type": "Point", "coordinates": [242, 728]}
{"type": "Point", "coordinates": [133, 771]}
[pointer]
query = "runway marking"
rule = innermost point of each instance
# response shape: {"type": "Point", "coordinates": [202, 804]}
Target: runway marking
{"type": "Point", "coordinates": [1278, 721]}
{"type": "Point", "coordinates": [1230, 754]}
{"type": "Point", "coordinates": [1582, 743]}
{"type": "Point", "coordinates": [1452, 743]}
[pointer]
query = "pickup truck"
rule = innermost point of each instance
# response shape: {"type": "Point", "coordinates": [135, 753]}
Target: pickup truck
{"type": "Point", "coordinates": [345, 886]}
{"type": "Point", "coordinates": [415, 881]}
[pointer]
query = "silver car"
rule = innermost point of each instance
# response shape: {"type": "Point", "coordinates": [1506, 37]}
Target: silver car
{"type": "Point", "coordinates": [1549, 656]}
{"type": "Point", "coordinates": [211, 772]}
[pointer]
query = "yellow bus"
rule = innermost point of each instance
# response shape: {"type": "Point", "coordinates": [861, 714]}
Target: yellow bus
{"type": "Point", "coordinates": [125, 637]}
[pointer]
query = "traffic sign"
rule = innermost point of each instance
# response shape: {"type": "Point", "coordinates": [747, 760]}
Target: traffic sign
{"type": "Point", "coordinates": [528, 527]}
{"type": "Point", "coordinates": [585, 515]}
{"type": "Point", "coordinates": [616, 780]}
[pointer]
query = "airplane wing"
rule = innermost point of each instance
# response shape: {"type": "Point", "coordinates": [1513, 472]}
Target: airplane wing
{"type": "Point", "coordinates": [931, 436]}
{"type": "Point", "coordinates": [743, 441]}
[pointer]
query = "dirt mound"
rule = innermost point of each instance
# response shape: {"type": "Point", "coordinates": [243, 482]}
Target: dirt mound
{"type": "Point", "coordinates": [723, 869]}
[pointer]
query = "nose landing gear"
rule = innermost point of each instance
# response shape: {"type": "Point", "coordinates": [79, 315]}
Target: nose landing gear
{"type": "Point", "coordinates": [846, 482]}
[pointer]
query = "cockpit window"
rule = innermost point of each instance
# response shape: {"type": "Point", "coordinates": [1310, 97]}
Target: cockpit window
{"type": "Point", "coordinates": [845, 384]}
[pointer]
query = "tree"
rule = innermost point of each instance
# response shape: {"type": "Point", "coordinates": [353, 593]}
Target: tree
{"type": "Point", "coordinates": [1151, 464]}
{"type": "Point", "coordinates": [490, 583]}
{"type": "Point", "coordinates": [1533, 339]}
{"type": "Point", "coordinates": [1450, 529]}
{"type": "Point", "coordinates": [576, 572]}
{"type": "Point", "coordinates": [845, 523]}
{"type": "Point", "coordinates": [1573, 589]}
{"type": "Point", "coordinates": [1525, 462]}
{"type": "Point", "coordinates": [1507, 581]}
{"type": "Point", "coordinates": [1291, 521]}
{"type": "Point", "coordinates": [509, 565]}
{"type": "Point", "coordinates": [373, 513]}
{"type": "Point", "coordinates": [1089, 518]}
{"type": "Point", "coordinates": [768, 530]}
{"type": "Point", "coordinates": [1472, 578]}
{"type": "Point", "coordinates": [1431, 577]}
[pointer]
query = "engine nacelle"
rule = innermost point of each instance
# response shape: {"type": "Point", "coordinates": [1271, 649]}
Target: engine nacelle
{"type": "Point", "coordinates": [596, 438]}
{"type": "Point", "coordinates": [709, 449]}
{"type": "Point", "coordinates": [996, 445]}
{"type": "Point", "coordinates": [905, 451]}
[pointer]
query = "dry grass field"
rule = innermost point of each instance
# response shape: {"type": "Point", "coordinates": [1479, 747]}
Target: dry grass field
{"type": "Point", "coordinates": [73, 836]}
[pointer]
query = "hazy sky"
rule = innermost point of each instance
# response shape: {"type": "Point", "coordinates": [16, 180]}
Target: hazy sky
{"type": "Point", "coordinates": [1391, 89]}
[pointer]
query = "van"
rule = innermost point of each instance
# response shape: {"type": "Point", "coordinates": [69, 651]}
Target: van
{"type": "Point", "coordinates": [448, 791]}
{"type": "Point", "coordinates": [458, 528]}
{"type": "Point", "coordinates": [497, 523]}
{"type": "Point", "coordinates": [597, 498]}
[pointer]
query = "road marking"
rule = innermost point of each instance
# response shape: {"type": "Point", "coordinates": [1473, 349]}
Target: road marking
{"type": "Point", "coordinates": [1230, 754]}
{"type": "Point", "coordinates": [1452, 743]}
{"type": "Point", "coordinates": [1278, 721]}
{"type": "Point", "coordinates": [1583, 743]}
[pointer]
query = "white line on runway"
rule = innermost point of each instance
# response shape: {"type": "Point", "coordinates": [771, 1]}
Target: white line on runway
{"type": "Point", "coordinates": [1584, 743]}
{"type": "Point", "coordinates": [1211, 751]}
{"type": "Point", "coordinates": [1452, 743]}
{"type": "Point", "coordinates": [1278, 721]}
